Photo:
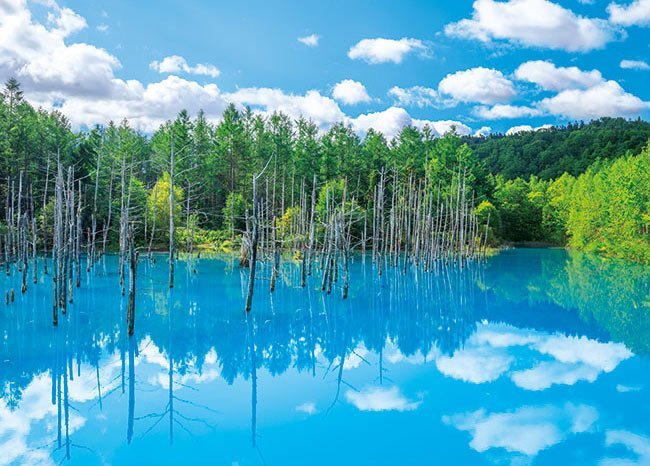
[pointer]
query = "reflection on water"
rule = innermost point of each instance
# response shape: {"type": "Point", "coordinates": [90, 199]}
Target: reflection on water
{"type": "Point", "coordinates": [538, 357]}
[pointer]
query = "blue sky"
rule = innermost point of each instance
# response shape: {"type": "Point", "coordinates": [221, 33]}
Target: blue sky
{"type": "Point", "coordinates": [496, 64]}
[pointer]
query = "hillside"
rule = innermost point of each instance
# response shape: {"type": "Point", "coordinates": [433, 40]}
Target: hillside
{"type": "Point", "coordinates": [548, 153]}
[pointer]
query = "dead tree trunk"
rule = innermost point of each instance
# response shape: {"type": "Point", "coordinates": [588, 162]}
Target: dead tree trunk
{"type": "Point", "coordinates": [133, 262]}
{"type": "Point", "coordinates": [253, 253]}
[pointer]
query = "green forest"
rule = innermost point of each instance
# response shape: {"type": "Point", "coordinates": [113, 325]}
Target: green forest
{"type": "Point", "coordinates": [585, 186]}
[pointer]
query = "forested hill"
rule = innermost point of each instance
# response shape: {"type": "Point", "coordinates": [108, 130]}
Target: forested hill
{"type": "Point", "coordinates": [548, 153]}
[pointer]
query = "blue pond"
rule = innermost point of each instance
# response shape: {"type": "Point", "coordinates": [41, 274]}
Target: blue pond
{"type": "Point", "coordinates": [536, 357]}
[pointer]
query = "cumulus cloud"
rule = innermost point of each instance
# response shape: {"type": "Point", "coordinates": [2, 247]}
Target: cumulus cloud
{"type": "Point", "coordinates": [639, 445]}
{"type": "Point", "coordinates": [636, 13]}
{"type": "Point", "coordinates": [528, 430]}
{"type": "Point", "coordinates": [37, 54]}
{"type": "Point", "coordinates": [391, 121]}
{"type": "Point", "coordinates": [490, 352]}
{"type": "Point", "coordinates": [482, 85]}
{"type": "Point", "coordinates": [79, 79]}
{"type": "Point", "coordinates": [380, 50]}
{"type": "Point", "coordinates": [548, 373]}
{"type": "Point", "coordinates": [177, 64]}
{"type": "Point", "coordinates": [442, 127]}
{"type": "Point", "coordinates": [350, 92]}
{"type": "Point", "coordinates": [416, 96]}
{"type": "Point", "coordinates": [475, 364]}
{"type": "Point", "coordinates": [519, 129]}
{"type": "Point", "coordinates": [381, 399]}
{"type": "Point", "coordinates": [607, 99]}
{"type": "Point", "coordinates": [483, 131]}
{"type": "Point", "coordinates": [556, 78]}
{"type": "Point", "coordinates": [148, 106]}
{"type": "Point", "coordinates": [322, 110]}
{"type": "Point", "coordinates": [310, 40]}
{"type": "Point", "coordinates": [580, 94]}
{"type": "Point", "coordinates": [501, 111]}
{"type": "Point", "coordinates": [605, 356]}
{"type": "Point", "coordinates": [533, 23]}
{"type": "Point", "coordinates": [634, 65]}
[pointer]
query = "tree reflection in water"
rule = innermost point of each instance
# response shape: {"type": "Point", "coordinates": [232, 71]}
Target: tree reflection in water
{"type": "Point", "coordinates": [299, 329]}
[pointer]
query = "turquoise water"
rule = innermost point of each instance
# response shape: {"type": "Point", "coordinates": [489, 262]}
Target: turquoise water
{"type": "Point", "coordinates": [537, 357]}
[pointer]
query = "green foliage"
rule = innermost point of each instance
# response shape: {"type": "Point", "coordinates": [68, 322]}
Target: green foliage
{"type": "Point", "coordinates": [209, 240]}
{"type": "Point", "coordinates": [234, 213]}
{"type": "Point", "coordinates": [574, 185]}
{"type": "Point", "coordinates": [331, 192]}
{"type": "Point", "coordinates": [158, 206]}
{"type": "Point", "coordinates": [555, 211]}
{"type": "Point", "coordinates": [610, 208]}
{"type": "Point", "coordinates": [447, 157]}
{"type": "Point", "coordinates": [610, 292]}
{"type": "Point", "coordinates": [488, 217]}
{"type": "Point", "coordinates": [548, 153]}
{"type": "Point", "coordinates": [519, 210]}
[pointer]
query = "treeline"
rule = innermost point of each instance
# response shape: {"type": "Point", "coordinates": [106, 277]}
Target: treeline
{"type": "Point", "coordinates": [550, 152]}
{"type": "Point", "coordinates": [214, 164]}
{"type": "Point", "coordinates": [606, 209]}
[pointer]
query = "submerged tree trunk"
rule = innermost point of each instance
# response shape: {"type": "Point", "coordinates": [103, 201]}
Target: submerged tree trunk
{"type": "Point", "coordinates": [171, 213]}
{"type": "Point", "coordinates": [253, 253]}
{"type": "Point", "coordinates": [133, 263]}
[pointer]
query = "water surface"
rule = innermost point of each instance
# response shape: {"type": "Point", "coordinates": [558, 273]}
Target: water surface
{"type": "Point", "coordinates": [537, 357]}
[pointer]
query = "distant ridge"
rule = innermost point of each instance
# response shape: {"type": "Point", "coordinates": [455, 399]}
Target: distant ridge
{"type": "Point", "coordinates": [549, 152]}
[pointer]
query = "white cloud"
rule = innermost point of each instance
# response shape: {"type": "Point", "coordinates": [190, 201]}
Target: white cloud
{"type": "Point", "coordinates": [635, 13]}
{"type": "Point", "coordinates": [548, 373]}
{"type": "Point", "coordinates": [307, 408]}
{"type": "Point", "coordinates": [634, 65]}
{"type": "Point", "coordinates": [553, 78]}
{"type": "Point", "coordinates": [528, 430]}
{"type": "Point", "coordinates": [525, 128]}
{"type": "Point", "coordinates": [394, 355]}
{"type": "Point", "coordinates": [489, 353]}
{"type": "Point", "coordinates": [482, 85]}
{"type": "Point", "coordinates": [574, 359]}
{"type": "Point", "coordinates": [310, 40]}
{"type": "Point", "coordinates": [475, 364]}
{"type": "Point", "coordinates": [483, 131]}
{"type": "Point", "coordinates": [146, 107]}
{"type": "Point", "coordinates": [604, 356]}
{"type": "Point", "coordinates": [323, 110]}
{"type": "Point", "coordinates": [177, 64]}
{"type": "Point", "coordinates": [499, 335]}
{"type": "Point", "coordinates": [355, 358]}
{"type": "Point", "coordinates": [381, 50]}
{"type": "Point", "coordinates": [501, 111]}
{"type": "Point", "coordinates": [637, 444]}
{"type": "Point", "coordinates": [533, 23]}
{"type": "Point", "coordinates": [350, 92]}
{"type": "Point", "coordinates": [418, 96]}
{"type": "Point", "coordinates": [391, 121]}
{"type": "Point", "coordinates": [442, 127]}
{"type": "Point", "coordinates": [38, 56]}
{"type": "Point", "coordinates": [78, 79]}
{"type": "Point", "coordinates": [580, 94]}
{"type": "Point", "coordinates": [103, 28]}
{"type": "Point", "coordinates": [381, 399]}
{"type": "Point", "coordinates": [607, 99]}
{"type": "Point", "coordinates": [627, 388]}
{"type": "Point", "coordinates": [519, 129]}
